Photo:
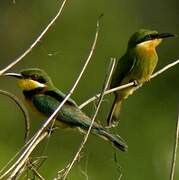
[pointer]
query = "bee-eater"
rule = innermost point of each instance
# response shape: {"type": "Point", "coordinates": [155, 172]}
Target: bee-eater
{"type": "Point", "coordinates": [137, 64]}
{"type": "Point", "coordinates": [39, 90]}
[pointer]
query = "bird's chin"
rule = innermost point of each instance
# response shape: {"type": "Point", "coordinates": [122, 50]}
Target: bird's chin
{"type": "Point", "coordinates": [157, 42]}
{"type": "Point", "coordinates": [150, 44]}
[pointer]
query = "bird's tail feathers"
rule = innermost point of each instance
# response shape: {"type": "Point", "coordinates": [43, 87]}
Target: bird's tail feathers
{"type": "Point", "coordinates": [116, 140]}
{"type": "Point", "coordinates": [113, 118]}
{"type": "Point", "coordinates": [100, 131]}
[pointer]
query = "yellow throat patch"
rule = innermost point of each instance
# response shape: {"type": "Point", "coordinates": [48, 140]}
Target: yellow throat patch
{"type": "Point", "coordinates": [150, 44]}
{"type": "Point", "coordinates": [29, 84]}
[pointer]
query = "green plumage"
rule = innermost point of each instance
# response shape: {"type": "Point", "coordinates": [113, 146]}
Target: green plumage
{"type": "Point", "coordinates": [45, 98]}
{"type": "Point", "coordinates": [71, 116]}
{"type": "Point", "coordinates": [137, 64]}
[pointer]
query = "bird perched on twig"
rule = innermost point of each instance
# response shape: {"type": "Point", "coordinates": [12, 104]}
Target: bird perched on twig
{"type": "Point", "coordinates": [43, 96]}
{"type": "Point", "coordinates": [136, 65]}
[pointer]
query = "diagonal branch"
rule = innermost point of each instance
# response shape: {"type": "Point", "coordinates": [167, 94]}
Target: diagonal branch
{"type": "Point", "coordinates": [35, 42]}
{"type": "Point", "coordinates": [22, 108]}
{"type": "Point", "coordinates": [105, 85]}
{"type": "Point", "coordinates": [15, 173]}
{"type": "Point", "coordinates": [29, 145]}
{"type": "Point", "coordinates": [167, 67]}
{"type": "Point", "coordinates": [175, 150]}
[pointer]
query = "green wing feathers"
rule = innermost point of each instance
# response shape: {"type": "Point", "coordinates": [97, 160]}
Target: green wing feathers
{"type": "Point", "coordinates": [72, 116]}
{"type": "Point", "coordinates": [124, 66]}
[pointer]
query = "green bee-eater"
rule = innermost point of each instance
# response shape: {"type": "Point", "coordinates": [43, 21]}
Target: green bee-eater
{"type": "Point", "coordinates": [137, 64]}
{"type": "Point", "coordinates": [43, 96]}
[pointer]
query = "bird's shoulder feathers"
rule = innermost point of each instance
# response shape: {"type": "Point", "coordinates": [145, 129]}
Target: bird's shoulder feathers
{"type": "Point", "coordinates": [123, 67]}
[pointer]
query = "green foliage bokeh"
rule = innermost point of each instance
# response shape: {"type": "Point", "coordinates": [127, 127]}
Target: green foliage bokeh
{"type": "Point", "coordinates": [148, 118]}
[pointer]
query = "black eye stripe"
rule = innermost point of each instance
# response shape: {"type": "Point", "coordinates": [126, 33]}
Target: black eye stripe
{"type": "Point", "coordinates": [38, 78]}
{"type": "Point", "coordinates": [148, 38]}
{"type": "Point", "coordinates": [151, 36]}
{"type": "Point", "coordinates": [41, 80]}
{"type": "Point", "coordinates": [34, 77]}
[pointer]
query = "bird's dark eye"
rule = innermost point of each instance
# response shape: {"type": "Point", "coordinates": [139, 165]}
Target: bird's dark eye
{"type": "Point", "coordinates": [148, 37]}
{"type": "Point", "coordinates": [34, 77]}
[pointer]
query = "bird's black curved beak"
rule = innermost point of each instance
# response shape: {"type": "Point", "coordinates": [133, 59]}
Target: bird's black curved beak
{"type": "Point", "coordinates": [16, 75]}
{"type": "Point", "coordinates": [166, 35]}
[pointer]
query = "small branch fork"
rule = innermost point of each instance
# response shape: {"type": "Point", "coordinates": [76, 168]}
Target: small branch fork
{"type": "Point", "coordinates": [19, 163]}
{"type": "Point", "coordinates": [25, 152]}
{"type": "Point", "coordinates": [16, 100]}
{"type": "Point", "coordinates": [36, 41]}
{"type": "Point", "coordinates": [167, 67]}
{"type": "Point", "coordinates": [106, 83]}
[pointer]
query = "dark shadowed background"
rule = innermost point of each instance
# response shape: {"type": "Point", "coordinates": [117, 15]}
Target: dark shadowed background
{"type": "Point", "coordinates": [148, 117]}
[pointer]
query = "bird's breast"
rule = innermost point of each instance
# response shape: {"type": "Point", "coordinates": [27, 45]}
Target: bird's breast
{"type": "Point", "coordinates": [146, 61]}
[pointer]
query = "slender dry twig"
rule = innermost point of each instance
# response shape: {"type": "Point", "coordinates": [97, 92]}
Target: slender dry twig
{"type": "Point", "coordinates": [31, 167]}
{"type": "Point", "coordinates": [38, 161]}
{"type": "Point", "coordinates": [25, 154]}
{"type": "Point", "coordinates": [26, 117]}
{"type": "Point", "coordinates": [175, 147]}
{"type": "Point", "coordinates": [20, 165]}
{"type": "Point", "coordinates": [12, 159]}
{"type": "Point", "coordinates": [12, 170]}
{"type": "Point", "coordinates": [106, 92]}
{"type": "Point", "coordinates": [165, 68]}
{"type": "Point", "coordinates": [35, 42]}
{"type": "Point", "coordinates": [31, 47]}
{"type": "Point", "coordinates": [107, 80]}
{"type": "Point", "coordinates": [84, 170]}
{"type": "Point", "coordinates": [120, 177]}
{"type": "Point", "coordinates": [22, 108]}
{"type": "Point", "coordinates": [129, 84]}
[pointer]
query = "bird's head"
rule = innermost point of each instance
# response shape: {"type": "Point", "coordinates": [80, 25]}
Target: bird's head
{"type": "Point", "coordinates": [147, 38]}
{"type": "Point", "coordinates": [32, 79]}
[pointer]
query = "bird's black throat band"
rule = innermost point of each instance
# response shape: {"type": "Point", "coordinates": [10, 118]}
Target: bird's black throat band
{"type": "Point", "coordinates": [29, 94]}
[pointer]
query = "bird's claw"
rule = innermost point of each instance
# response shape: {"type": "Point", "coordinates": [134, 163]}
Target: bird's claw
{"type": "Point", "coordinates": [136, 83]}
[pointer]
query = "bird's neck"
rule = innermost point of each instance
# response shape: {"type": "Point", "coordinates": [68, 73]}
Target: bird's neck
{"type": "Point", "coordinates": [37, 91]}
{"type": "Point", "coordinates": [148, 48]}
{"type": "Point", "coordinates": [144, 52]}
{"type": "Point", "coordinates": [29, 94]}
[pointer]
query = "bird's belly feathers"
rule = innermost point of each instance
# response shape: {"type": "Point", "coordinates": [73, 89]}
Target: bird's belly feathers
{"type": "Point", "coordinates": [141, 72]}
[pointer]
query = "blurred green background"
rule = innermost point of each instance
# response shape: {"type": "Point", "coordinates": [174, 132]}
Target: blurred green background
{"type": "Point", "coordinates": [148, 118]}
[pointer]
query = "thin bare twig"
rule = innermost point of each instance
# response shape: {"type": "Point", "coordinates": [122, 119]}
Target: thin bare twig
{"type": "Point", "coordinates": [12, 159]}
{"type": "Point", "coordinates": [175, 147]}
{"type": "Point", "coordinates": [128, 85]}
{"type": "Point", "coordinates": [20, 165]}
{"type": "Point", "coordinates": [120, 177]}
{"type": "Point", "coordinates": [105, 85]}
{"type": "Point", "coordinates": [35, 42]}
{"type": "Point", "coordinates": [165, 68]}
{"type": "Point", "coordinates": [12, 172]}
{"type": "Point", "coordinates": [84, 170]}
{"type": "Point", "coordinates": [22, 108]}
{"type": "Point", "coordinates": [29, 49]}
{"type": "Point", "coordinates": [105, 93]}
{"type": "Point", "coordinates": [25, 154]}
{"type": "Point", "coordinates": [31, 167]}
{"type": "Point", "coordinates": [38, 161]}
